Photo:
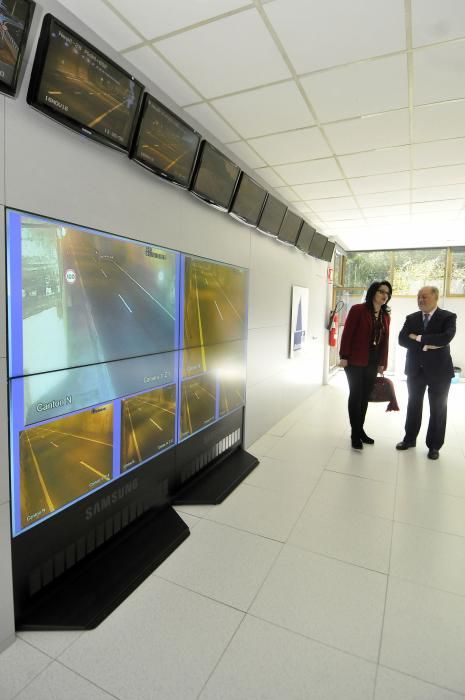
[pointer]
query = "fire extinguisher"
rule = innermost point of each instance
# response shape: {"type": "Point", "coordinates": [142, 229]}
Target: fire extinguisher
{"type": "Point", "coordinates": [333, 331]}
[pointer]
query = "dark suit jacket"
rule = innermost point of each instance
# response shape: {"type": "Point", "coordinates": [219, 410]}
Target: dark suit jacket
{"type": "Point", "coordinates": [355, 341]}
{"type": "Point", "coordinates": [436, 364]}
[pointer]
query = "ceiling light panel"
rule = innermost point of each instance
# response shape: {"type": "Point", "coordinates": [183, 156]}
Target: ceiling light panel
{"type": "Point", "coordinates": [266, 110]}
{"type": "Point", "coordinates": [212, 60]}
{"type": "Point", "coordinates": [357, 89]}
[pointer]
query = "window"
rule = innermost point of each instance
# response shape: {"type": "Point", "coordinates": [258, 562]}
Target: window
{"type": "Point", "coordinates": [414, 269]}
{"type": "Point", "coordinates": [363, 268]}
{"type": "Point", "coordinates": [456, 272]}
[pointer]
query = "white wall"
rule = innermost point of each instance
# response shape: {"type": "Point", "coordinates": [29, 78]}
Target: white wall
{"type": "Point", "coordinates": [51, 171]}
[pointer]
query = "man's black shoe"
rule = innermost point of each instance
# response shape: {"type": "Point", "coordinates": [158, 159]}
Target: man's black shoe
{"type": "Point", "coordinates": [357, 444]}
{"type": "Point", "coordinates": [402, 445]}
{"type": "Point", "coordinates": [366, 439]}
{"type": "Point", "coordinates": [433, 454]}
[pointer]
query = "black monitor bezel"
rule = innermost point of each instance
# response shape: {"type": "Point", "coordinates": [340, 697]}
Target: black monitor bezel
{"type": "Point", "coordinates": [289, 213]}
{"type": "Point", "coordinates": [205, 196]}
{"type": "Point", "coordinates": [305, 247]}
{"type": "Point", "coordinates": [268, 231]}
{"type": "Point", "coordinates": [319, 251]}
{"type": "Point", "coordinates": [328, 244]}
{"type": "Point", "coordinates": [241, 217]}
{"type": "Point", "coordinates": [71, 122]}
{"type": "Point", "coordinates": [160, 172]}
{"type": "Point", "coordinates": [10, 89]}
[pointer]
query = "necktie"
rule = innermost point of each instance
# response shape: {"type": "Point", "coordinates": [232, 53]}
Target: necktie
{"type": "Point", "coordinates": [425, 320]}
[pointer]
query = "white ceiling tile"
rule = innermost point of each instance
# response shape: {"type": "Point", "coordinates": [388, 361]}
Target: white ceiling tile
{"type": "Point", "coordinates": [242, 150]}
{"type": "Point", "coordinates": [360, 88]}
{"type": "Point", "coordinates": [450, 205]}
{"type": "Point", "coordinates": [162, 75]}
{"type": "Point", "coordinates": [103, 22]}
{"type": "Point", "coordinates": [309, 171]}
{"type": "Point", "coordinates": [334, 32]}
{"type": "Point", "coordinates": [348, 223]}
{"type": "Point", "coordinates": [374, 212]}
{"type": "Point", "coordinates": [333, 204]}
{"type": "Point", "coordinates": [291, 146]}
{"type": "Point", "coordinates": [384, 198]}
{"type": "Point", "coordinates": [439, 121]}
{"type": "Point", "coordinates": [336, 188]}
{"type": "Point", "coordinates": [266, 110]}
{"type": "Point", "coordinates": [340, 215]}
{"type": "Point", "coordinates": [380, 183]}
{"type": "Point", "coordinates": [433, 219]}
{"type": "Point", "coordinates": [446, 152]}
{"type": "Point", "coordinates": [154, 19]}
{"type": "Point", "coordinates": [269, 176]}
{"type": "Point", "coordinates": [376, 162]}
{"type": "Point", "coordinates": [431, 177]}
{"type": "Point", "coordinates": [366, 133]}
{"type": "Point", "coordinates": [433, 21]}
{"type": "Point", "coordinates": [288, 194]}
{"type": "Point", "coordinates": [438, 73]}
{"type": "Point", "coordinates": [210, 58]}
{"type": "Point", "coordinates": [393, 219]}
{"type": "Point", "coordinates": [302, 208]}
{"type": "Point", "coordinates": [207, 117]}
{"type": "Point", "coordinates": [425, 194]}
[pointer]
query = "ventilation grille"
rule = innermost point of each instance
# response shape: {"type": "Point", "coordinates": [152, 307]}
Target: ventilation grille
{"type": "Point", "coordinates": [215, 451]}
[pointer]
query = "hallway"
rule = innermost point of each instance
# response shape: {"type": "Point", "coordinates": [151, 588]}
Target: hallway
{"type": "Point", "coordinates": [328, 574]}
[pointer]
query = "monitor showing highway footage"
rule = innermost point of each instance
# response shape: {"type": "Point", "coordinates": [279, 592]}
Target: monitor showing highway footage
{"type": "Point", "coordinates": [216, 177]}
{"type": "Point", "coordinates": [148, 423]}
{"type": "Point", "coordinates": [63, 459]}
{"type": "Point", "coordinates": [76, 82]}
{"type": "Point", "coordinates": [198, 404]}
{"type": "Point", "coordinates": [15, 18]}
{"type": "Point", "coordinates": [79, 297]}
{"type": "Point", "coordinates": [165, 144]}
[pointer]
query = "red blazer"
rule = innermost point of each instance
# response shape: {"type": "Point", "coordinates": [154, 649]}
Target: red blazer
{"type": "Point", "coordinates": [355, 341]}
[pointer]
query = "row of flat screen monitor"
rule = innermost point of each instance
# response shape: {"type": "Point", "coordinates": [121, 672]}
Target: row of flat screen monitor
{"type": "Point", "coordinates": [117, 351]}
{"type": "Point", "coordinates": [75, 84]}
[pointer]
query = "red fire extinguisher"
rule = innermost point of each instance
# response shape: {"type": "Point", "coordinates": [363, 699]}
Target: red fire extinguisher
{"type": "Point", "coordinates": [333, 331]}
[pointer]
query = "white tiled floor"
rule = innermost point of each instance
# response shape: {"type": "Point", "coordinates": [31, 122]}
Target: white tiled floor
{"type": "Point", "coordinates": [328, 575]}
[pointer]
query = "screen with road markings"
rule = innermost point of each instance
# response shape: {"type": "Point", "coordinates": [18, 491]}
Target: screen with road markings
{"type": "Point", "coordinates": [73, 82]}
{"type": "Point", "coordinates": [15, 20]}
{"type": "Point", "coordinates": [117, 351]}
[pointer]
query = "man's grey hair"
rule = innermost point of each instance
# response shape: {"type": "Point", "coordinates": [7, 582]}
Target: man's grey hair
{"type": "Point", "coordinates": [433, 290]}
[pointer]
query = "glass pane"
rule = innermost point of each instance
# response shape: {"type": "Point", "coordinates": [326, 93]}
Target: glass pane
{"type": "Point", "coordinates": [363, 268]}
{"type": "Point", "coordinates": [338, 263]}
{"type": "Point", "coordinates": [349, 297]}
{"type": "Point", "coordinates": [457, 272]}
{"type": "Point", "coordinates": [414, 269]}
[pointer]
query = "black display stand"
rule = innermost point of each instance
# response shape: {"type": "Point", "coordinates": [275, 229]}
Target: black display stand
{"type": "Point", "coordinates": [214, 483]}
{"type": "Point", "coordinates": [86, 594]}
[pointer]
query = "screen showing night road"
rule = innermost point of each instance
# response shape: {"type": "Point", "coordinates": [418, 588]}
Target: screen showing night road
{"type": "Point", "coordinates": [77, 82]}
{"type": "Point", "coordinates": [117, 351]}
{"type": "Point", "coordinates": [99, 297]}
{"type": "Point", "coordinates": [14, 21]}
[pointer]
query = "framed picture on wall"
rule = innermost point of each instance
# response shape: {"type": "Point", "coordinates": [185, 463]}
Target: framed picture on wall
{"type": "Point", "coordinates": [299, 319]}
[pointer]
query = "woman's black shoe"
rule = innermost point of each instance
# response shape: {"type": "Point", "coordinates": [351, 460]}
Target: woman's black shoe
{"type": "Point", "coordinates": [367, 440]}
{"type": "Point", "coordinates": [357, 444]}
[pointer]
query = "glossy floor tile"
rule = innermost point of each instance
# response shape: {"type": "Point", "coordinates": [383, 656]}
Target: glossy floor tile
{"type": "Point", "coordinates": [328, 574]}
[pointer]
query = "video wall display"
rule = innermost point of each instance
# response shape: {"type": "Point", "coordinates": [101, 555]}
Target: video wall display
{"type": "Point", "coordinates": [76, 84]}
{"type": "Point", "coordinates": [164, 143]}
{"type": "Point", "coordinates": [248, 201]}
{"type": "Point", "coordinates": [117, 350]}
{"type": "Point", "coordinates": [215, 177]}
{"type": "Point", "coordinates": [272, 216]}
{"type": "Point", "coordinates": [290, 228]}
{"type": "Point", "coordinates": [15, 21]}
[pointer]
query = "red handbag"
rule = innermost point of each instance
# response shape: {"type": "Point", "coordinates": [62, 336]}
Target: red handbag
{"type": "Point", "coordinates": [383, 390]}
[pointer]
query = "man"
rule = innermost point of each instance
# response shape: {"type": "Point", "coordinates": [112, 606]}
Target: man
{"type": "Point", "coordinates": [426, 334]}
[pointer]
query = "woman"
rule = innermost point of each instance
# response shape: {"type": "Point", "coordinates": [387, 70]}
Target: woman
{"type": "Point", "coordinates": [364, 353]}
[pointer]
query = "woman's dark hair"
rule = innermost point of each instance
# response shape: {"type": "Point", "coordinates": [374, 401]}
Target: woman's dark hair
{"type": "Point", "coordinates": [372, 289]}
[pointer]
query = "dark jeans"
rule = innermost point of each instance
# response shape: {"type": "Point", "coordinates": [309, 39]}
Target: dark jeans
{"type": "Point", "coordinates": [361, 381]}
{"type": "Point", "coordinates": [437, 395]}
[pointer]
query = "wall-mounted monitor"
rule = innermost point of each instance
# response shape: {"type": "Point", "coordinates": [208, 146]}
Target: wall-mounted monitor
{"type": "Point", "coordinates": [272, 216]}
{"type": "Point", "coordinates": [164, 143]}
{"type": "Point", "coordinates": [317, 245]}
{"type": "Point", "coordinates": [15, 22]}
{"type": "Point", "coordinates": [248, 201]}
{"type": "Point", "coordinates": [75, 84]}
{"type": "Point", "coordinates": [305, 237]}
{"type": "Point", "coordinates": [215, 177]}
{"type": "Point", "coordinates": [289, 230]}
{"type": "Point", "coordinates": [328, 251]}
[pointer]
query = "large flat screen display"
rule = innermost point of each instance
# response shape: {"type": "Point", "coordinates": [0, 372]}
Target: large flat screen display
{"type": "Point", "coordinates": [117, 351]}
{"type": "Point", "coordinates": [164, 143]}
{"type": "Point", "coordinates": [317, 245]}
{"type": "Point", "coordinates": [74, 83]}
{"type": "Point", "coordinates": [328, 250]}
{"type": "Point", "coordinates": [248, 201]}
{"type": "Point", "coordinates": [15, 21]}
{"type": "Point", "coordinates": [289, 231]}
{"type": "Point", "coordinates": [215, 177]}
{"type": "Point", "coordinates": [305, 237]}
{"type": "Point", "coordinates": [272, 216]}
